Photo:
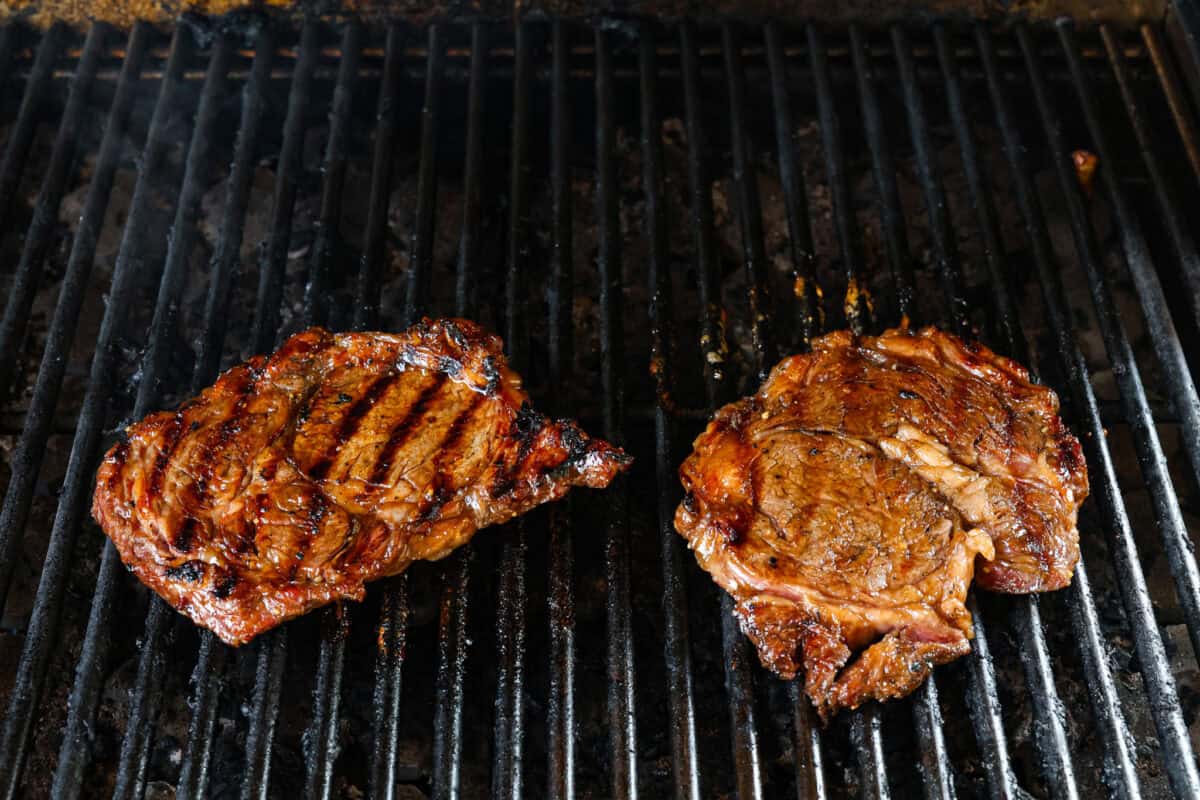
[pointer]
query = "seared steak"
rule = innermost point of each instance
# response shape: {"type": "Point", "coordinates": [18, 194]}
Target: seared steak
{"type": "Point", "coordinates": [844, 505]}
{"type": "Point", "coordinates": [340, 459]}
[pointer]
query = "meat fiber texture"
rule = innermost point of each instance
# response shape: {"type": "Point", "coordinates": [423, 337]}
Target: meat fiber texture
{"type": "Point", "coordinates": [299, 477]}
{"type": "Point", "coordinates": [849, 504]}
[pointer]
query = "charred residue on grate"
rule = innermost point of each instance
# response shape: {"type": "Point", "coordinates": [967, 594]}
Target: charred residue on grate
{"type": "Point", "coordinates": [537, 108]}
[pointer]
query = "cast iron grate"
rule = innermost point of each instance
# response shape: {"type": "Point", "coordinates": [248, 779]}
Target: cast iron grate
{"type": "Point", "coordinates": [651, 215]}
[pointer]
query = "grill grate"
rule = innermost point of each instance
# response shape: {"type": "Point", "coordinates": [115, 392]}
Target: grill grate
{"type": "Point", "coordinates": [632, 264]}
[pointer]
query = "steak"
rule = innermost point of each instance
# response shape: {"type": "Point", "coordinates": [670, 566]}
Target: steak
{"type": "Point", "coordinates": [342, 458]}
{"type": "Point", "coordinates": [844, 505]}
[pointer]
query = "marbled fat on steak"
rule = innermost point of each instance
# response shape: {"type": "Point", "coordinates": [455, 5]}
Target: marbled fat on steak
{"type": "Point", "coordinates": [844, 505]}
{"type": "Point", "coordinates": [342, 458]}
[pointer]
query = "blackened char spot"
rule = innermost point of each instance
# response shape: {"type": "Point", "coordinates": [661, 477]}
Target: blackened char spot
{"type": "Point", "coordinates": [689, 503]}
{"type": "Point", "coordinates": [908, 395]}
{"type": "Point", "coordinates": [187, 532]}
{"type": "Point", "coordinates": [573, 441]}
{"type": "Point", "coordinates": [526, 426]}
{"type": "Point", "coordinates": [189, 571]}
{"type": "Point", "coordinates": [450, 366]}
{"type": "Point", "coordinates": [224, 587]}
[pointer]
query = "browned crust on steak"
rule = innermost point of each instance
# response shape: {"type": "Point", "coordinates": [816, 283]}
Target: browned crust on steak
{"type": "Point", "coordinates": [340, 459]}
{"type": "Point", "coordinates": [843, 506]}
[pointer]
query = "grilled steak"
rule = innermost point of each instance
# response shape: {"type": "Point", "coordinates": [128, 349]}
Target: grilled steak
{"type": "Point", "coordinates": [342, 458]}
{"type": "Point", "coordinates": [844, 505]}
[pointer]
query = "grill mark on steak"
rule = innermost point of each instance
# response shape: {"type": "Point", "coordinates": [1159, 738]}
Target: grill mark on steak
{"type": "Point", "coordinates": [431, 505]}
{"type": "Point", "coordinates": [173, 435]}
{"type": "Point", "coordinates": [317, 509]}
{"type": "Point", "coordinates": [411, 468]}
{"type": "Point", "coordinates": [403, 429]}
{"type": "Point", "coordinates": [222, 434]}
{"type": "Point", "coordinates": [351, 421]}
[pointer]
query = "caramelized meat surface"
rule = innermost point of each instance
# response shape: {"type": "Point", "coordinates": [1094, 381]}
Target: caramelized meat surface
{"type": "Point", "coordinates": [342, 458]}
{"type": "Point", "coordinates": [844, 505]}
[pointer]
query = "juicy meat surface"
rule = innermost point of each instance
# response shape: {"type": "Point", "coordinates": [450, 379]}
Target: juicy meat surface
{"type": "Point", "coordinates": [844, 505]}
{"type": "Point", "coordinates": [340, 459]}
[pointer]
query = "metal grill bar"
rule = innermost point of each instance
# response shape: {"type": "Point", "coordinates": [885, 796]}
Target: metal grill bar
{"type": "Point", "coordinates": [43, 622]}
{"type": "Point", "coordinates": [749, 208]}
{"type": "Point", "coordinates": [1179, 236]}
{"type": "Point", "coordinates": [621, 701]}
{"type": "Point", "coordinates": [849, 243]}
{"type": "Point", "coordinates": [1035, 652]}
{"type": "Point", "coordinates": [394, 621]}
{"type": "Point", "coordinates": [739, 679]}
{"type": "Point", "coordinates": [452, 619]}
{"type": "Point", "coordinates": [28, 275]}
{"type": "Point", "coordinates": [676, 639]}
{"type": "Point", "coordinates": [884, 171]}
{"type": "Point", "coordinates": [468, 240]}
{"type": "Point", "coordinates": [30, 447]}
{"type": "Point", "coordinates": [1122, 773]}
{"type": "Point", "coordinates": [206, 685]}
{"type": "Point", "coordinates": [146, 695]}
{"type": "Point", "coordinates": [270, 659]}
{"type": "Point", "coordinates": [937, 774]}
{"type": "Point", "coordinates": [806, 739]}
{"type": "Point", "coordinates": [334, 169]}
{"type": "Point", "coordinates": [866, 732]}
{"type": "Point", "coordinates": [321, 739]}
{"type": "Point", "coordinates": [206, 688]}
{"type": "Point", "coordinates": [1168, 77]}
{"type": "Point", "coordinates": [1151, 457]}
{"type": "Point", "coordinates": [560, 714]}
{"type": "Point", "coordinates": [270, 651]}
{"type": "Point", "coordinates": [738, 684]}
{"type": "Point", "coordinates": [32, 104]}
{"type": "Point", "coordinates": [225, 260]}
{"type": "Point", "coordinates": [420, 272]}
{"type": "Point", "coordinates": [1052, 740]}
{"type": "Point", "coordinates": [366, 294]}
{"type": "Point", "coordinates": [508, 729]}
{"type": "Point", "coordinates": [1163, 336]}
{"type": "Point", "coordinates": [866, 725]}
{"type": "Point", "coordinates": [1159, 683]}
{"type": "Point", "coordinates": [273, 263]}
{"type": "Point", "coordinates": [800, 241]}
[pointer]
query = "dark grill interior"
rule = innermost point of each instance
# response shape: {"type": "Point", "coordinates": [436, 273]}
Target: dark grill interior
{"type": "Point", "coordinates": [651, 215]}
